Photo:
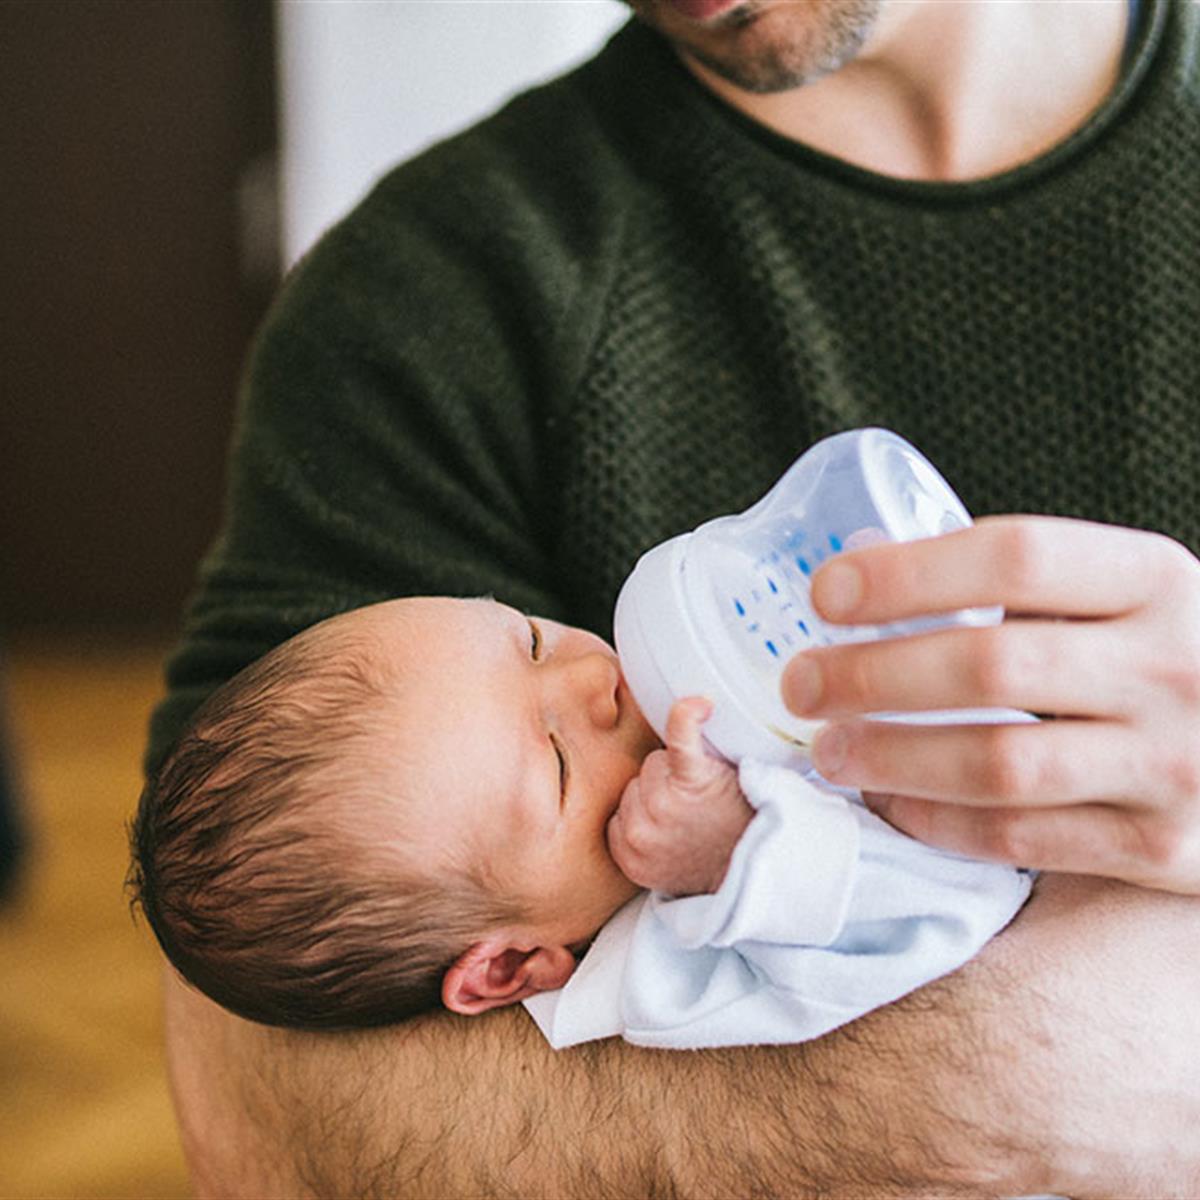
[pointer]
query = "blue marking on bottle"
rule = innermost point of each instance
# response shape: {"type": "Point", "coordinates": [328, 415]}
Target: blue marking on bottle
{"type": "Point", "coordinates": [753, 628]}
{"type": "Point", "coordinates": [741, 608]}
{"type": "Point", "coordinates": [771, 647]}
{"type": "Point", "coordinates": [835, 542]}
{"type": "Point", "coordinates": [771, 585]}
{"type": "Point", "coordinates": [803, 628]}
{"type": "Point", "coordinates": [803, 565]}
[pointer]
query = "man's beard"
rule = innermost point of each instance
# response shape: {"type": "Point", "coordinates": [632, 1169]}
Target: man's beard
{"type": "Point", "coordinates": [813, 39]}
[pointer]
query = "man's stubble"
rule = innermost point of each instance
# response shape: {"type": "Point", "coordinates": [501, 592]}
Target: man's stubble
{"type": "Point", "coordinates": [769, 46]}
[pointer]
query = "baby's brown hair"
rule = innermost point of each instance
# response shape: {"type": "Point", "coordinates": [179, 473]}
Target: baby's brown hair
{"type": "Point", "coordinates": [251, 868]}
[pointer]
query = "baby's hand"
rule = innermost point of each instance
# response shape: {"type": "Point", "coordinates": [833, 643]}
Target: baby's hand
{"type": "Point", "coordinates": [680, 818]}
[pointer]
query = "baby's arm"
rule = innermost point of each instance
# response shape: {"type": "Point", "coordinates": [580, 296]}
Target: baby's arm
{"type": "Point", "coordinates": [681, 816]}
{"type": "Point", "coordinates": [780, 910]}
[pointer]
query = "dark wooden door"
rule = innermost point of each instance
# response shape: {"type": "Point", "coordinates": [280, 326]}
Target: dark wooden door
{"type": "Point", "coordinates": [133, 134]}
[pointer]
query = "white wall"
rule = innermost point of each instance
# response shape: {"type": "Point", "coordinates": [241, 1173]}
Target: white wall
{"type": "Point", "coordinates": [366, 83]}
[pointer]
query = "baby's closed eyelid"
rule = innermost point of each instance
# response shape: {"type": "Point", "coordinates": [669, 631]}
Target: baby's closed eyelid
{"type": "Point", "coordinates": [537, 644]}
{"type": "Point", "coordinates": [564, 770]}
{"type": "Point", "coordinates": [536, 639]}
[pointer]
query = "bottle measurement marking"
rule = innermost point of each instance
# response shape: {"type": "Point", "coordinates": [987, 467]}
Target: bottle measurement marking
{"type": "Point", "coordinates": [774, 608]}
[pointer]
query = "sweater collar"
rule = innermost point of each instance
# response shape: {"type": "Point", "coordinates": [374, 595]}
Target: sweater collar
{"type": "Point", "coordinates": [651, 70]}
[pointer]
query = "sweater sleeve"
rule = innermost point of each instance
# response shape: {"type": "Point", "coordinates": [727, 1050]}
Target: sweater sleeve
{"type": "Point", "coordinates": [395, 431]}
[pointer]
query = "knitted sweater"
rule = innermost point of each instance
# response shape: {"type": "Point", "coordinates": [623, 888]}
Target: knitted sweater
{"type": "Point", "coordinates": [617, 308]}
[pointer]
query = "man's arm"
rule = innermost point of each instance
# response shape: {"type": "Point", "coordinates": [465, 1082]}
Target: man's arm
{"type": "Point", "coordinates": [1057, 1061]}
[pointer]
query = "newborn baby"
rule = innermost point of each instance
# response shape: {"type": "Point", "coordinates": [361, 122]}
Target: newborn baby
{"type": "Point", "coordinates": [412, 804]}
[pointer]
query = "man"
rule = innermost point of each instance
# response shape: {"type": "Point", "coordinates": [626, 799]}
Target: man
{"type": "Point", "coordinates": [625, 304]}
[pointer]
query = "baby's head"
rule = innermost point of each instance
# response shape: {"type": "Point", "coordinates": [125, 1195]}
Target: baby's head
{"type": "Point", "coordinates": [401, 806]}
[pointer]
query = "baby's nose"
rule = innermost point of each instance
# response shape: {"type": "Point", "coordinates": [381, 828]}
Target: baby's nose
{"type": "Point", "coordinates": [593, 678]}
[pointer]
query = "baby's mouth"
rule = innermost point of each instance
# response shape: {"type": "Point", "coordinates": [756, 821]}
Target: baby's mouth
{"type": "Point", "coordinates": [642, 736]}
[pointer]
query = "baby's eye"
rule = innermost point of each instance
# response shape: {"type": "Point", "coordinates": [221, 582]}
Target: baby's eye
{"type": "Point", "coordinates": [535, 641]}
{"type": "Point", "coordinates": [564, 771]}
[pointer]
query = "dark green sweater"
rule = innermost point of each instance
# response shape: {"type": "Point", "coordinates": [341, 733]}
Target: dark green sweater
{"type": "Point", "coordinates": [617, 308]}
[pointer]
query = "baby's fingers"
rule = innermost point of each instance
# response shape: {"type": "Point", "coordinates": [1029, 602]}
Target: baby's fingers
{"type": "Point", "coordinates": [689, 761]}
{"type": "Point", "coordinates": [617, 833]}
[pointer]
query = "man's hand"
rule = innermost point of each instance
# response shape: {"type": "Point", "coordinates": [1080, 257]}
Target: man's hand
{"type": "Point", "coordinates": [1102, 633]}
{"type": "Point", "coordinates": [681, 816]}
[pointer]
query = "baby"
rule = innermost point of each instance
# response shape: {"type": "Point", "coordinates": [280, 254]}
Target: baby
{"type": "Point", "coordinates": [439, 801]}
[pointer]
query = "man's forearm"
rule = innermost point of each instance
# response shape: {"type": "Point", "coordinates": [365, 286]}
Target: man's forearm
{"type": "Point", "coordinates": [444, 1107]}
{"type": "Point", "coordinates": [966, 1087]}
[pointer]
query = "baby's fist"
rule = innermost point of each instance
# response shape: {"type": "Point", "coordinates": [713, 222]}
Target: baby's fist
{"type": "Point", "coordinates": [680, 818]}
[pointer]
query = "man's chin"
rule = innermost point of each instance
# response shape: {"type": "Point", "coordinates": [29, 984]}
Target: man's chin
{"type": "Point", "coordinates": [764, 47]}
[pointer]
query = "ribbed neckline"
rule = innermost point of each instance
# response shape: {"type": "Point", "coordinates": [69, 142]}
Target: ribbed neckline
{"type": "Point", "coordinates": [736, 128]}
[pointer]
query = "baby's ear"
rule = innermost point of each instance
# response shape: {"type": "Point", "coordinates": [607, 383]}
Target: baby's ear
{"type": "Point", "coordinates": [496, 972]}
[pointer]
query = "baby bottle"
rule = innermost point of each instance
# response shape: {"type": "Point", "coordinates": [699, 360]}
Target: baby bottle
{"type": "Point", "coordinates": [719, 611]}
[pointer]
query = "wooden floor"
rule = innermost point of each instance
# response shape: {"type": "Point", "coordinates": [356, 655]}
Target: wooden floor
{"type": "Point", "coordinates": [84, 1109]}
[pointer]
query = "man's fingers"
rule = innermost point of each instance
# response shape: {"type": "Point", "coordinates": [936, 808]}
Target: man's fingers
{"type": "Point", "coordinates": [1068, 668]}
{"type": "Point", "coordinates": [1035, 765]}
{"type": "Point", "coordinates": [1037, 565]}
{"type": "Point", "coordinates": [1090, 839]}
{"type": "Point", "coordinates": [1041, 839]}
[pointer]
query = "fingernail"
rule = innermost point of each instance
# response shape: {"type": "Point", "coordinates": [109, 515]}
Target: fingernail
{"type": "Point", "coordinates": [830, 750]}
{"type": "Point", "coordinates": [837, 589]}
{"type": "Point", "coordinates": [802, 684]}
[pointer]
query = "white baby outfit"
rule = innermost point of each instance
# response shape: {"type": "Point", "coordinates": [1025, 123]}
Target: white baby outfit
{"type": "Point", "coordinates": [825, 913]}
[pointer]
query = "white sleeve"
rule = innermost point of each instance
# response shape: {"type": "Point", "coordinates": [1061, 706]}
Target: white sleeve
{"type": "Point", "coordinates": [826, 912]}
{"type": "Point", "coordinates": [766, 959]}
{"type": "Point", "coordinates": [790, 877]}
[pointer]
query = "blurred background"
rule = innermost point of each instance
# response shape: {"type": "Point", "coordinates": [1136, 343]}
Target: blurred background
{"type": "Point", "coordinates": [164, 163]}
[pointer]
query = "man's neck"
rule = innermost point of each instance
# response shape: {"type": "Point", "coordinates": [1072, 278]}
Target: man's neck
{"type": "Point", "coordinates": [953, 91]}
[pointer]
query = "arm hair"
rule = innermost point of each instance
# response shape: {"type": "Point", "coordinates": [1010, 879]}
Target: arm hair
{"type": "Point", "coordinates": [1058, 1060]}
{"type": "Point", "coordinates": [445, 1106]}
